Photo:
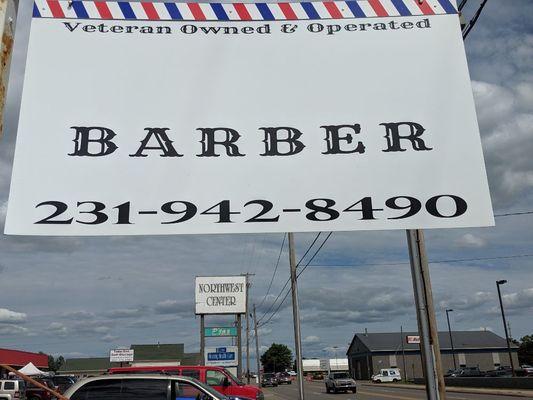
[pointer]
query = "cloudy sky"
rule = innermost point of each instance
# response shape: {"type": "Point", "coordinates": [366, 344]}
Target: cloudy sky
{"type": "Point", "coordinates": [84, 296]}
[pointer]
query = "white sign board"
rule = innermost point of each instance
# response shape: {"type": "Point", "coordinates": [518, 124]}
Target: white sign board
{"type": "Point", "coordinates": [221, 356]}
{"type": "Point", "coordinates": [121, 355]}
{"type": "Point", "coordinates": [168, 118]}
{"type": "Point", "coordinates": [324, 364]}
{"type": "Point", "coordinates": [220, 294]}
{"type": "Point", "coordinates": [413, 339]}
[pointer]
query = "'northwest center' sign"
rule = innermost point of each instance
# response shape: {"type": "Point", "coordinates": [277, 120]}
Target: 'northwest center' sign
{"type": "Point", "coordinates": [220, 294]}
{"type": "Point", "coordinates": [167, 118]}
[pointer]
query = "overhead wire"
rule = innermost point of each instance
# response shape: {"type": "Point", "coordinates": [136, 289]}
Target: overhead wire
{"type": "Point", "coordinates": [468, 28]}
{"type": "Point", "coordinates": [275, 270]}
{"type": "Point", "coordinates": [299, 273]}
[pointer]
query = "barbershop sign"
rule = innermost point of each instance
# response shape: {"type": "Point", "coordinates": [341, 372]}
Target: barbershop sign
{"type": "Point", "coordinates": [220, 294]}
{"type": "Point", "coordinates": [166, 118]}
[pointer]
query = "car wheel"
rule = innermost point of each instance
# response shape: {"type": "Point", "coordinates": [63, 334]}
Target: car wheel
{"type": "Point", "coordinates": [354, 390]}
{"type": "Point", "coordinates": [395, 380]}
{"type": "Point", "coordinates": [378, 381]}
{"type": "Point", "coordinates": [335, 390]}
{"type": "Point", "coordinates": [327, 389]}
{"type": "Point", "coordinates": [290, 382]}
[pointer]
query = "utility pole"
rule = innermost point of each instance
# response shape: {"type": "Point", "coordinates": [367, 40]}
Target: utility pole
{"type": "Point", "coordinates": [248, 285]}
{"type": "Point", "coordinates": [258, 361]}
{"type": "Point", "coordinates": [498, 283]}
{"type": "Point", "coordinates": [202, 339]}
{"type": "Point", "coordinates": [239, 346]}
{"type": "Point", "coordinates": [427, 323]}
{"type": "Point", "coordinates": [8, 19]}
{"type": "Point", "coordinates": [449, 310]}
{"type": "Point", "coordinates": [296, 317]}
{"type": "Point", "coordinates": [403, 355]}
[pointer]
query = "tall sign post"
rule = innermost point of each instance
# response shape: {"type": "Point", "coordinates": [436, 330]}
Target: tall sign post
{"type": "Point", "coordinates": [409, 139]}
{"type": "Point", "coordinates": [219, 295]}
{"type": "Point", "coordinates": [296, 317]}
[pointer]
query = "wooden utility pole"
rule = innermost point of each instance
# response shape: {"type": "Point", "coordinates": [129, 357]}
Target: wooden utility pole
{"type": "Point", "coordinates": [257, 356]}
{"type": "Point", "coordinates": [425, 312]}
{"type": "Point", "coordinates": [239, 346]}
{"type": "Point", "coordinates": [296, 317]}
{"type": "Point", "coordinates": [202, 339]}
{"type": "Point", "coordinates": [8, 18]}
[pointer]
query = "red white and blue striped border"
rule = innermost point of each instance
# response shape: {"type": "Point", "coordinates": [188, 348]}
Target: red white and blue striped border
{"type": "Point", "coordinates": [147, 10]}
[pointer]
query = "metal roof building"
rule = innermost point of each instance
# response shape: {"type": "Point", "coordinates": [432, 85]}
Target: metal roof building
{"type": "Point", "coordinates": [369, 352]}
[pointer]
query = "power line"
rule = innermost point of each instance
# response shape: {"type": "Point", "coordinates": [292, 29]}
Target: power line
{"type": "Point", "coordinates": [513, 213]}
{"type": "Point", "coordinates": [463, 3]}
{"type": "Point", "coordinates": [309, 248]}
{"type": "Point", "coordinates": [275, 270]}
{"type": "Point", "coordinates": [456, 260]}
{"type": "Point", "coordinates": [473, 21]}
{"type": "Point", "coordinates": [287, 282]}
{"type": "Point", "coordinates": [301, 272]}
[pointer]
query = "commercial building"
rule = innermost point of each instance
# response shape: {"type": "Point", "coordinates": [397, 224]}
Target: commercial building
{"type": "Point", "coordinates": [18, 359]}
{"type": "Point", "coordinates": [369, 352]}
{"type": "Point", "coordinates": [144, 354]}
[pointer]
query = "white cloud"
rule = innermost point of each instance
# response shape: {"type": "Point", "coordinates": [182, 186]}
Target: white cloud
{"type": "Point", "coordinates": [311, 340]}
{"type": "Point", "coordinates": [470, 240]}
{"type": "Point", "coordinates": [8, 316]}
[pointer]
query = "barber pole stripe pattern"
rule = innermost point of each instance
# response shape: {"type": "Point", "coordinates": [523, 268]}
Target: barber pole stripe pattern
{"type": "Point", "coordinates": [149, 11]}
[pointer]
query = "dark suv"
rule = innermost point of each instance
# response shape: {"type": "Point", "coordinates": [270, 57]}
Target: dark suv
{"type": "Point", "coordinates": [142, 387]}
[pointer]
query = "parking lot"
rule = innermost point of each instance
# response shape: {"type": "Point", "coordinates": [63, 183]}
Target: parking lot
{"type": "Point", "coordinates": [316, 390]}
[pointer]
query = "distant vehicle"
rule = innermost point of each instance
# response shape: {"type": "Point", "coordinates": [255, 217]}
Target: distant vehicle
{"type": "Point", "coordinates": [269, 379]}
{"type": "Point", "coordinates": [318, 376]}
{"type": "Point", "coordinates": [450, 372]}
{"type": "Point", "coordinates": [142, 387]}
{"type": "Point", "coordinates": [387, 375]}
{"type": "Point", "coordinates": [500, 371]}
{"type": "Point", "coordinates": [37, 393]}
{"type": "Point", "coordinates": [283, 378]}
{"type": "Point", "coordinates": [467, 372]}
{"type": "Point", "coordinates": [217, 377]}
{"type": "Point", "coordinates": [292, 373]}
{"type": "Point", "coordinates": [63, 382]}
{"type": "Point", "coordinates": [340, 382]}
{"type": "Point", "coordinates": [528, 369]}
{"type": "Point", "coordinates": [12, 390]}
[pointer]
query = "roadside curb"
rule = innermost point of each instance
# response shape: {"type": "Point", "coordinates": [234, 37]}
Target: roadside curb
{"type": "Point", "coordinates": [456, 389]}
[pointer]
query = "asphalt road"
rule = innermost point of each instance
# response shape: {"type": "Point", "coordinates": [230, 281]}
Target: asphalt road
{"type": "Point", "coordinates": [317, 391]}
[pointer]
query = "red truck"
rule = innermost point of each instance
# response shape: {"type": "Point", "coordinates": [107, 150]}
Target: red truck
{"type": "Point", "coordinates": [217, 377]}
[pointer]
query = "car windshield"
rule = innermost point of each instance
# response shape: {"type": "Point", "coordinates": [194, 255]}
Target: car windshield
{"type": "Point", "coordinates": [342, 375]}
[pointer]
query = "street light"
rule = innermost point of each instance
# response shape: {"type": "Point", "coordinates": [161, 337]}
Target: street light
{"type": "Point", "coordinates": [498, 283]}
{"type": "Point", "coordinates": [449, 310]}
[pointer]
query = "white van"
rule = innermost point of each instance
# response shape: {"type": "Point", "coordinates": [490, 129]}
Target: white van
{"type": "Point", "coordinates": [387, 375]}
{"type": "Point", "coordinates": [12, 390]}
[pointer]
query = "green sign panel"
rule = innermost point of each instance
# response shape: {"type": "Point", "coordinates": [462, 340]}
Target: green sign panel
{"type": "Point", "coordinates": [220, 332]}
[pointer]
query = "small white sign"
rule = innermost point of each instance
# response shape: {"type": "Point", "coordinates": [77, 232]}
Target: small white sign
{"type": "Point", "coordinates": [220, 294]}
{"type": "Point", "coordinates": [121, 355]}
{"type": "Point", "coordinates": [324, 364]}
{"type": "Point", "coordinates": [221, 356]}
{"type": "Point", "coordinates": [413, 339]}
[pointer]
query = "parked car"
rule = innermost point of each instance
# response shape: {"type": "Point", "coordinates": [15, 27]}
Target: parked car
{"type": "Point", "coordinates": [37, 393]}
{"type": "Point", "coordinates": [340, 382]}
{"type": "Point", "coordinates": [12, 389]}
{"type": "Point", "coordinates": [292, 373]}
{"type": "Point", "coordinates": [284, 378]}
{"type": "Point", "coordinates": [63, 382]}
{"type": "Point", "coordinates": [317, 376]}
{"type": "Point", "coordinates": [528, 369]}
{"type": "Point", "coordinates": [137, 387]}
{"type": "Point", "coordinates": [500, 371]}
{"type": "Point", "coordinates": [269, 379]}
{"type": "Point", "coordinates": [469, 372]}
{"type": "Point", "coordinates": [387, 375]}
{"type": "Point", "coordinates": [218, 378]}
